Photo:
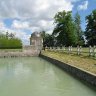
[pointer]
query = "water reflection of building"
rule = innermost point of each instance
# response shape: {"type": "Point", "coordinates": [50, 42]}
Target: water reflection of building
{"type": "Point", "coordinates": [36, 40]}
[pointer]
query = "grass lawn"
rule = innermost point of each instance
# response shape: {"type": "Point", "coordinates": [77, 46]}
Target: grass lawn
{"type": "Point", "coordinates": [86, 63]}
{"type": "Point", "coordinates": [10, 50]}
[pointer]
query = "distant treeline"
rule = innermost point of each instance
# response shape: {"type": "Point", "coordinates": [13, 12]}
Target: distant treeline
{"type": "Point", "coordinates": [68, 31]}
{"type": "Point", "coordinates": [9, 41]}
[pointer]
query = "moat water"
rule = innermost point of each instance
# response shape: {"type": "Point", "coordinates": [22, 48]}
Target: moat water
{"type": "Point", "coordinates": [33, 76]}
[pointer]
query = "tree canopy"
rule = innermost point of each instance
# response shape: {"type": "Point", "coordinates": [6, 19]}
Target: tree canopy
{"type": "Point", "coordinates": [68, 30]}
{"type": "Point", "coordinates": [48, 40]}
{"type": "Point", "coordinates": [79, 32]}
{"type": "Point", "coordinates": [90, 31]}
{"type": "Point", "coordinates": [65, 28]}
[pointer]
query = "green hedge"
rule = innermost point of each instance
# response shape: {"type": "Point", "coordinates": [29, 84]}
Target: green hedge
{"type": "Point", "coordinates": [10, 43]}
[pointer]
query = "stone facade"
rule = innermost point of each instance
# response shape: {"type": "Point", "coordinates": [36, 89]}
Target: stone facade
{"type": "Point", "coordinates": [36, 40]}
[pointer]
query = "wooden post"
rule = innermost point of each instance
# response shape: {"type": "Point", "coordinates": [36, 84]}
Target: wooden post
{"type": "Point", "coordinates": [90, 51]}
{"type": "Point", "coordinates": [64, 48]}
{"type": "Point", "coordinates": [94, 51]}
{"type": "Point", "coordinates": [69, 49]}
{"type": "Point", "coordinates": [78, 50]}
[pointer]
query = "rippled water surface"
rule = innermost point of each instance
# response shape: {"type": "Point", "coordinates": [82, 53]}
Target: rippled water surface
{"type": "Point", "coordinates": [34, 76]}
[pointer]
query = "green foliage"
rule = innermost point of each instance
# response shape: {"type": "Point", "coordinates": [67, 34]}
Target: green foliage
{"type": "Point", "coordinates": [9, 42]}
{"type": "Point", "coordinates": [43, 35]}
{"type": "Point", "coordinates": [65, 28]}
{"type": "Point", "coordinates": [90, 31]}
{"type": "Point", "coordinates": [48, 40]}
{"type": "Point", "coordinates": [79, 32]}
{"type": "Point", "coordinates": [68, 31]}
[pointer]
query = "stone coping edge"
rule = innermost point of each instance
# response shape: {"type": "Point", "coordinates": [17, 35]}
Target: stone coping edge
{"type": "Point", "coordinates": [76, 72]}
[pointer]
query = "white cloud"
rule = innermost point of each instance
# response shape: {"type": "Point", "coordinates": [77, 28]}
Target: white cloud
{"type": "Point", "coordinates": [32, 8]}
{"type": "Point", "coordinates": [20, 25]}
{"type": "Point", "coordinates": [23, 36]}
{"type": "Point", "coordinates": [83, 6]}
{"type": "Point", "coordinates": [2, 25]}
{"type": "Point", "coordinates": [17, 32]}
{"type": "Point", "coordinates": [34, 15]}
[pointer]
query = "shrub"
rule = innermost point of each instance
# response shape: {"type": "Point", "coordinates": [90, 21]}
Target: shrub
{"type": "Point", "coordinates": [10, 43]}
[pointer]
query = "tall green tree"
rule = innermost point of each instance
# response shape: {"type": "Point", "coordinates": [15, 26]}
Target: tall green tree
{"type": "Point", "coordinates": [79, 32]}
{"type": "Point", "coordinates": [65, 28]}
{"type": "Point", "coordinates": [48, 40]}
{"type": "Point", "coordinates": [90, 31]}
{"type": "Point", "coordinates": [43, 35]}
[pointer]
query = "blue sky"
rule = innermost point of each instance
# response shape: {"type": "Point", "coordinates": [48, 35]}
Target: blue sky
{"type": "Point", "coordinates": [38, 15]}
{"type": "Point", "coordinates": [83, 13]}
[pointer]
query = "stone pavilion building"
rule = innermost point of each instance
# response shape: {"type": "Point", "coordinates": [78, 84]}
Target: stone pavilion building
{"type": "Point", "coordinates": [36, 40]}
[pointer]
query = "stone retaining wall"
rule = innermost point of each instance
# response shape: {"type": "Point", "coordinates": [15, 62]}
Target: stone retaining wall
{"type": "Point", "coordinates": [79, 73]}
{"type": "Point", "coordinates": [27, 51]}
{"type": "Point", "coordinates": [19, 54]}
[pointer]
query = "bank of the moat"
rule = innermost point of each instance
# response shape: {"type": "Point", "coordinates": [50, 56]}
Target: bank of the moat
{"type": "Point", "coordinates": [78, 72]}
